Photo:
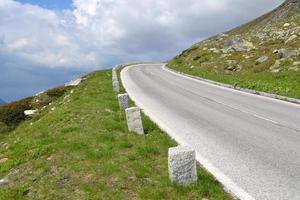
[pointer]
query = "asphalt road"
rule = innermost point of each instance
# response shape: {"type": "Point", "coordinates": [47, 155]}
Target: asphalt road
{"type": "Point", "coordinates": [248, 142]}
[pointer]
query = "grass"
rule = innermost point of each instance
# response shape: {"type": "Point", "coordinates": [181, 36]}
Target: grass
{"type": "Point", "coordinates": [82, 150]}
{"type": "Point", "coordinates": [264, 32]}
{"type": "Point", "coordinates": [285, 83]}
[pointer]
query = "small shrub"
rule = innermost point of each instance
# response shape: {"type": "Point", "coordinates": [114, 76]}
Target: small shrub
{"type": "Point", "coordinates": [56, 92]}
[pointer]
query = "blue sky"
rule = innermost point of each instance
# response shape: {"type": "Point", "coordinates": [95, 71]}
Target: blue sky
{"type": "Point", "coordinates": [50, 4]}
{"type": "Point", "coordinates": [54, 41]}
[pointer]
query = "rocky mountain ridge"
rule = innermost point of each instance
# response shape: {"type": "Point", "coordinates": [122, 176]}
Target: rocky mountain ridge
{"type": "Point", "coordinates": [264, 47]}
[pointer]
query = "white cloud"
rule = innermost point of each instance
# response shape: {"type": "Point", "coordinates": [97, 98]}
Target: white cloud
{"type": "Point", "coordinates": [101, 33]}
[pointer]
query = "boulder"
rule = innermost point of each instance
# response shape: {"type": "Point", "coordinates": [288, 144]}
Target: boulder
{"type": "Point", "coordinates": [291, 39]}
{"type": "Point", "coordinates": [29, 112]}
{"type": "Point", "coordinates": [294, 68]}
{"type": "Point", "coordinates": [75, 82]}
{"type": "Point", "coordinates": [214, 50]}
{"type": "Point", "coordinates": [276, 67]}
{"type": "Point", "coordinates": [296, 63]}
{"type": "Point", "coordinates": [3, 160]}
{"type": "Point", "coordinates": [261, 60]}
{"type": "Point", "coordinates": [238, 44]}
{"type": "Point", "coordinates": [285, 53]}
{"type": "Point", "coordinates": [4, 182]}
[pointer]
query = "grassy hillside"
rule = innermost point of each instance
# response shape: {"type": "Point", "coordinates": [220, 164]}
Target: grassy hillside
{"type": "Point", "coordinates": [79, 148]}
{"type": "Point", "coordinates": [263, 54]}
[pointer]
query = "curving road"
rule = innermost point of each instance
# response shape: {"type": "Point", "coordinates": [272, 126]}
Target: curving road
{"type": "Point", "coordinates": [249, 143]}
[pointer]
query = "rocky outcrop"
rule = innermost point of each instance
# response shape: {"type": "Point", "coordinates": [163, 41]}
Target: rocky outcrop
{"type": "Point", "coordinates": [261, 60]}
{"type": "Point", "coordinates": [29, 112]}
{"type": "Point", "coordinates": [75, 82]}
{"type": "Point", "coordinates": [285, 53]}
{"type": "Point", "coordinates": [238, 44]}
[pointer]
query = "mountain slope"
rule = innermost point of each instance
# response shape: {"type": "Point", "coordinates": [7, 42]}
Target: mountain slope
{"type": "Point", "coordinates": [79, 148]}
{"type": "Point", "coordinates": [263, 54]}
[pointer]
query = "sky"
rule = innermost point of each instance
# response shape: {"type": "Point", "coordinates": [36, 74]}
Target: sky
{"type": "Point", "coordinates": [45, 43]}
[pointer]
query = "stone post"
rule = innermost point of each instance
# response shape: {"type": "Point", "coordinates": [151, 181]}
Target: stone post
{"type": "Point", "coordinates": [114, 75]}
{"type": "Point", "coordinates": [123, 101]}
{"type": "Point", "coordinates": [182, 165]}
{"type": "Point", "coordinates": [134, 120]}
{"type": "Point", "coordinates": [116, 86]}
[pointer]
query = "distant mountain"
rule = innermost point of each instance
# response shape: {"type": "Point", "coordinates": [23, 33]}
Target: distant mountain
{"type": "Point", "coordinates": [2, 102]}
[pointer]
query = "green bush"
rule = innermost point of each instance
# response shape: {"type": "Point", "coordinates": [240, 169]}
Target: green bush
{"type": "Point", "coordinates": [47, 97]}
{"type": "Point", "coordinates": [13, 113]}
{"type": "Point", "coordinates": [56, 92]}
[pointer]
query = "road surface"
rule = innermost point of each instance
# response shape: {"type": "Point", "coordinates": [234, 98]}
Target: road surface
{"type": "Point", "coordinates": [248, 142]}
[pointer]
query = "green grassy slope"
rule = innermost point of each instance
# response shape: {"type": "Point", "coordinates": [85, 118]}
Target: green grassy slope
{"type": "Point", "coordinates": [279, 29]}
{"type": "Point", "coordinates": [79, 148]}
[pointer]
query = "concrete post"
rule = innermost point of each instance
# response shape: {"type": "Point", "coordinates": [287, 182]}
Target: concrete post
{"type": "Point", "coordinates": [116, 86]}
{"type": "Point", "coordinates": [123, 101]}
{"type": "Point", "coordinates": [182, 165]}
{"type": "Point", "coordinates": [134, 120]}
{"type": "Point", "coordinates": [114, 75]}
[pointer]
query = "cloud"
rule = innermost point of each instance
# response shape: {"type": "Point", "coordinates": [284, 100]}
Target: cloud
{"type": "Point", "coordinates": [100, 33]}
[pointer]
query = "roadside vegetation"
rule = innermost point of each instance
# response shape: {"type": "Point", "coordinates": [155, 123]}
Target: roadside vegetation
{"type": "Point", "coordinates": [262, 55]}
{"type": "Point", "coordinates": [78, 147]}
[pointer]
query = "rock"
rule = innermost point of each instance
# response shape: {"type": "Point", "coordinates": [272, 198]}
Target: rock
{"type": "Point", "coordinates": [231, 62]}
{"type": "Point", "coordinates": [291, 39]}
{"type": "Point", "coordinates": [123, 101]}
{"type": "Point", "coordinates": [108, 110]}
{"type": "Point", "coordinates": [29, 112]}
{"type": "Point", "coordinates": [37, 94]}
{"type": "Point", "coordinates": [134, 120]}
{"type": "Point", "coordinates": [276, 70]}
{"type": "Point", "coordinates": [75, 82]}
{"type": "Point", "coordinates": [182, 165]}
{"type": "Point", "coordinates": [285, 53]}
{"type": "Point", "coordinates": [286, 25]}
{"type": "Point", "coordinates": [3, 160]}
{"type": "Point", "coordinates": [261, 60]}
{"type": "Point", "coordinates": [247, 57]}
{"type": "Point", "coordinates": [296, 63]}
{"type": "Point", "coordinates": [238, 44]}
{"type": "Point", "coordinates": [232, 68]}
{"type": "Point", "coordinates": [276, 67]}
{"type": "Point", "coordinates": [4, 182]}
{"type": "Point", "coordinates": [295, 68]}
{"type": "Point", "coordinates": [214, 50]}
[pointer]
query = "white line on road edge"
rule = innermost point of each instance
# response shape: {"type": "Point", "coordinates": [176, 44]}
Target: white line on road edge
{"type": "Point", "coordinates": [228, 184]}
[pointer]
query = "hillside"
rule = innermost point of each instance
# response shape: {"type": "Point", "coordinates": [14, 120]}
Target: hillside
{"type": "Point", "coordinates": [78, 147]}
{"type": "Point", "coordinates": [263, 54]}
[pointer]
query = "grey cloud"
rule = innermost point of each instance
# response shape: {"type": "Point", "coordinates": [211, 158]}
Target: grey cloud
{"type": "Point", "coordinates": [41, 48]}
